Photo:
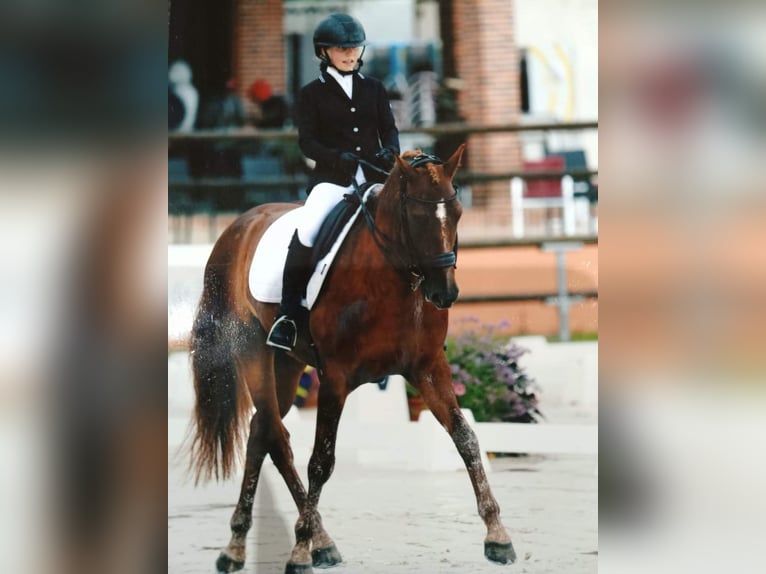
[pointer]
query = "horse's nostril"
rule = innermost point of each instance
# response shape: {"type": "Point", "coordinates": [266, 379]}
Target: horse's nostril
{"type": "Point", "coordinates": [441, 300]}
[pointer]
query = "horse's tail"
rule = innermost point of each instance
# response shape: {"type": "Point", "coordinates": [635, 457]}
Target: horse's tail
{"type": "Point", "coordinates": [222, 401]}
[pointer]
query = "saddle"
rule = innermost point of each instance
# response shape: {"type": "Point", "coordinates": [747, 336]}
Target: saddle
{"type": "Point", "coordinates": [335, 222]}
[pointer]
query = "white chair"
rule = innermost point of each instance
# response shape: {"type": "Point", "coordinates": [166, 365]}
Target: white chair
{"type": "Point", "coordinates": [543, 193]}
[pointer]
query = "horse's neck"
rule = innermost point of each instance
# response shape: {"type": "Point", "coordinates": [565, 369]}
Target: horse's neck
{"type": "Point", "coordinates": [382, 207]}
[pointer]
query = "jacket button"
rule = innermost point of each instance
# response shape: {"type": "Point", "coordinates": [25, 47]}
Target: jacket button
{"type": "Point", "coordinates": [356, 129]}
{"type": "Point", "coordinates": [358, 148]}
{"type": "Point", "coordinates": [353, 109]}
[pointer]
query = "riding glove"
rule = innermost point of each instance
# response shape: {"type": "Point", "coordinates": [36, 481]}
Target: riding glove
{"type": "Point", "coordinates": [385, 158]}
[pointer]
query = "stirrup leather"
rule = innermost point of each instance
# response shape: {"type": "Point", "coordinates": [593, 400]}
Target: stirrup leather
{"type": "Point", "coordinates": [282, 323]}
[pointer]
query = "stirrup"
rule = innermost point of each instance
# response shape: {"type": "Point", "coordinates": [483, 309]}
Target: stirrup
{"type": "Point", "coordinates": [280, 337]}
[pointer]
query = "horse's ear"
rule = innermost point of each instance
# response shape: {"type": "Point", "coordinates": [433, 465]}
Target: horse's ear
{"type": "Point", "coordinates": [454, 162]}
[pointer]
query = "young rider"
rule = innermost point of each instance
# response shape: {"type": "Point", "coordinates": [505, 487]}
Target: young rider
{"type": "Point", "coordinates": [343, 116]}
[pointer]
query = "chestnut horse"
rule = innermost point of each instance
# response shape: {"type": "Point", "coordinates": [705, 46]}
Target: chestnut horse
{"type": "Point", "coordinates": [382, 311]}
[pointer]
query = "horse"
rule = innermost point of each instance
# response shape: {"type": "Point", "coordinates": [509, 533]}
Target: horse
{"type": "Point", "coordinates": [383, 310]}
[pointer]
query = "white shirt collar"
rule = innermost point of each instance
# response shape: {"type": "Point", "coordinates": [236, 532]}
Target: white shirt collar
{"type": "Point", "coordinates": [345, 82]}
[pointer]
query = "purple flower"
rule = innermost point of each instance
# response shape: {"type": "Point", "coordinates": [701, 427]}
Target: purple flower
{"type": "Point", "coordinates": [486, 375]}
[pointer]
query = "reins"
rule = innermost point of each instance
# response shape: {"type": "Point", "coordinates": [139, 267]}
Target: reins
{"type": "Point", "coordinates": [384, 243]}
{"type": "Point", "coordinates": [380, 238]}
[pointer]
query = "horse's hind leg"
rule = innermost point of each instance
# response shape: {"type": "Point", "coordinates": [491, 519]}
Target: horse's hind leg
{"type": "Point", "coordinates": [308, 528]}
{"type": "Point", "coordinates": [267, 436]}
{"type": "Point", "coordinates": [435, 385]}
{"type": "Point", "coordinates": [232, 558]}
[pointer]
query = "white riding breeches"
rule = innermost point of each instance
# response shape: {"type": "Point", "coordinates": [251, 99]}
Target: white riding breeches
{"type": "Point", "coordinates": [320, 202]}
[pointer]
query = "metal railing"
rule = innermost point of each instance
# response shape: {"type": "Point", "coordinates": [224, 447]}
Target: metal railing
{"type": "Point", "coordinates": [246, 135]}
{"type": "Point", "coordinates": [297, 181]}
{"type": "Point", "coordinates": [435, 130]}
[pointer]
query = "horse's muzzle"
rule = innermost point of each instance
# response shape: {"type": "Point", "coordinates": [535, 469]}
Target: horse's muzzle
{"type": "Point", "coordinates": [443, 299]}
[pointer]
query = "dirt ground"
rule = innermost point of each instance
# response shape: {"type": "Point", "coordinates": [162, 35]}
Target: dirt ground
{"type": "Point", "coordinates": [392, 522]}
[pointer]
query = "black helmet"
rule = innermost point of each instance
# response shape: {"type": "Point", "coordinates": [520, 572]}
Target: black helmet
{"type": "Point", "coordinates": [339, 30]}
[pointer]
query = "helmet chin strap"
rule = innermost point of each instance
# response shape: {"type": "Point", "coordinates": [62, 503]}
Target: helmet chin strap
{"type": "Point", "coordinates": [344, 73]}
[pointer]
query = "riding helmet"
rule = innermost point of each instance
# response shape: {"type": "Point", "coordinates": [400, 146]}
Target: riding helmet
{"type": "Point", "coordinates": [339, 30]}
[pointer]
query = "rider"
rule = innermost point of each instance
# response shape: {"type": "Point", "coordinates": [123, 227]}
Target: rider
{"type": "Point", "coordinates": [344, 116]}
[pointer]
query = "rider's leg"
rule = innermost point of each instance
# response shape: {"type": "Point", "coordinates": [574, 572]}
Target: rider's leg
{"type": "Point", "coordinates": [298, 269]}
{"type": "Point", "coordinates": [323, 198]}
{"type": "Point", "coordinates": [296, 274]}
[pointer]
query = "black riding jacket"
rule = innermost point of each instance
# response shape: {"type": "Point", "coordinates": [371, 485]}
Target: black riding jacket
{"type": "Point", "coordinates": [329, 123]}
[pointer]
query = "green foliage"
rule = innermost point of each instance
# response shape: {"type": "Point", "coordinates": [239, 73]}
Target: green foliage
{"type": "Point", "coordinates": [575, 337]}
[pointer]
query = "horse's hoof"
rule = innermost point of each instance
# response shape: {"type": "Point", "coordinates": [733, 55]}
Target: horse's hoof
{"type": "Point", "coordinates": [500, 553]}
{"type": "Point", "coordinates": [228, 564]}
{"type": "Point", "coordinates": [293, 568]}
{"type": "Point", "coordinates": [326, 557]}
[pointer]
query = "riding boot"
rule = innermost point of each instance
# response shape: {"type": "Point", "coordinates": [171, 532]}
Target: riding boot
{"type": "Point", "coordinates": [297, 272]}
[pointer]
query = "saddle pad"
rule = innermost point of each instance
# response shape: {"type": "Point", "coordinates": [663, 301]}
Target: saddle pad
{"type": "Point", "coordinates": [265, 279]}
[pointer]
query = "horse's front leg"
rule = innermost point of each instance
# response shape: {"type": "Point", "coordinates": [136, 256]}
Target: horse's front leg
{"type": "Point", "coordinates": [434, 382]}
{"type": "Point", "coordinates": [309, 531]}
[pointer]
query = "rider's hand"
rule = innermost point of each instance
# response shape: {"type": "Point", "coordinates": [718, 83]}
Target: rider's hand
{"type": "Point", "coordinates": [385, 158]}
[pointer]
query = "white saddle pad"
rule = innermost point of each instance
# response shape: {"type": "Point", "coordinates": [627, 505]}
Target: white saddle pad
{"type": "Point", "coordinates": [269, 260]}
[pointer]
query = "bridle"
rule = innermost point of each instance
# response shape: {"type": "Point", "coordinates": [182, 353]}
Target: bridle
{"type": "Point", "coordinates": [412, 262]}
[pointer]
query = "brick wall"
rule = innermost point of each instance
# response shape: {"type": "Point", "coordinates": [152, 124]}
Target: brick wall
{"type": "Point", "coordinates": [488, 66]}
{"type": "Point", "coordinates": [259, 43]}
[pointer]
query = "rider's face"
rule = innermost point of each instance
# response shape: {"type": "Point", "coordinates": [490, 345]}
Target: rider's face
{"type": "Point", "coordinates": [344, 59]}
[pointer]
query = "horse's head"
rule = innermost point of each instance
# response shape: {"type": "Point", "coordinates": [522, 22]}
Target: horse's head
{"type": "Point", "coordinates": [429, 212]}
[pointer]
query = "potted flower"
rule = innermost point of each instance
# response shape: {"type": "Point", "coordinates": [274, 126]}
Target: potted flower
{"type": "Point", "coordinates": [487, 376]}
